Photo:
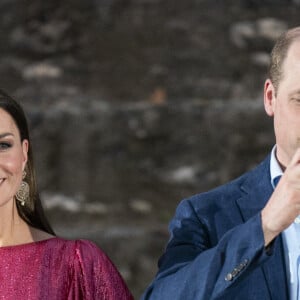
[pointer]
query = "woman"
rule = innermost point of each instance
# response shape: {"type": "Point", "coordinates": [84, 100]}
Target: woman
{"type": "Point", "coordinates": [34, 263]}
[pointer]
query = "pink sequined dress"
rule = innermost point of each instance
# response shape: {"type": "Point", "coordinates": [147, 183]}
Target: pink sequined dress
{"type": "Point", "coordinates": [58, 269]}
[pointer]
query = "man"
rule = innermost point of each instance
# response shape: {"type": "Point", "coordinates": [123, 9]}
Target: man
{"type": "Point", "coordinates": [242, 240]}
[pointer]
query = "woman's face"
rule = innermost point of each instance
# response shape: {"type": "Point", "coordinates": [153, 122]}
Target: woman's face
{"type": "Point", "coordinates": [13, 158]}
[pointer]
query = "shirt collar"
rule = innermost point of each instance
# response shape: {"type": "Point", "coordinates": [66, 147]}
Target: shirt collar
{"type": "Point", "coordinates": [275, 169]}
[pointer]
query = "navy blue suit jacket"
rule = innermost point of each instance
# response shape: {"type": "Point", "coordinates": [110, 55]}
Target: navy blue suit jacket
{"type": "Point", "coordinates": [216, 249]}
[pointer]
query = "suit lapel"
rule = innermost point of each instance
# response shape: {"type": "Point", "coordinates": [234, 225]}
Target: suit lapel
{"type": "Point", "coordinates": [257, 190]}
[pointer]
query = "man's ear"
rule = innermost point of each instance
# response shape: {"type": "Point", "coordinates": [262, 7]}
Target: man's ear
{"type": "Point", "coordinates": [269, 97]}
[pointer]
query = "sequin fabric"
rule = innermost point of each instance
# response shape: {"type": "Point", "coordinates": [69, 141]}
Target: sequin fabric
{"type": "Point", "coordinates": [59, 269]}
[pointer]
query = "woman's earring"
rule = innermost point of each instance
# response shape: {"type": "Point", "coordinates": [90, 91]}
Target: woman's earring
{"type": "Point", "coordinates": [23, 192]}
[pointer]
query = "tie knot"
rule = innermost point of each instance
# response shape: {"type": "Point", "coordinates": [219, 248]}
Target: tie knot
{"type": "Point", "coordinates": [276, 180]}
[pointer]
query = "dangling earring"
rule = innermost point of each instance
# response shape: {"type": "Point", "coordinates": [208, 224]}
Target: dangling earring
{"type": "Point", "coordinates": [23, 192]}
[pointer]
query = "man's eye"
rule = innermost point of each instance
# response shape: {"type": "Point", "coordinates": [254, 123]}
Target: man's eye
{"type": "Point", "coordinates": [4, 145]}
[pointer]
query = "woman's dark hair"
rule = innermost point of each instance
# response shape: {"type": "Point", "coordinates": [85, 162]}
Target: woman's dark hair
{"type": "Point", "coordinates": [32, 212]}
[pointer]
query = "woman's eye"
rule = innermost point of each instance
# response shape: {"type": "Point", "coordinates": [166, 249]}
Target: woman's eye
{"type": "Point", "coordinates": [4, 145]}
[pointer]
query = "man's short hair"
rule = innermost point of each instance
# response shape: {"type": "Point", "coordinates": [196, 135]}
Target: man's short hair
{"type": "Point", "coordinates": [279, 53]}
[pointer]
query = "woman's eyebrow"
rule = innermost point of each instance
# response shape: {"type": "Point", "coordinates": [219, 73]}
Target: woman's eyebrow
{"type": "Point", "coordinates": [5, 134]}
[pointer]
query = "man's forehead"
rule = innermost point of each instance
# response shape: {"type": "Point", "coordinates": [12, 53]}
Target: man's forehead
{"type": "Point", "coordinates": [294, 48]}
{"type": "Point", "coordinates": [292, 58]}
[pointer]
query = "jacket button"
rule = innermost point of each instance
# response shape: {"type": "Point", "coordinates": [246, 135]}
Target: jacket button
{"type": "Point", "coordinates": [235, 271]}
{"type": "Point", "coordinates": [228, 277]}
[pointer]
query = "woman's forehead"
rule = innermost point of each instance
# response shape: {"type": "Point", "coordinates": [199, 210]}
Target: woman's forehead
{"type": "Point", "coordinates": [7, 123]}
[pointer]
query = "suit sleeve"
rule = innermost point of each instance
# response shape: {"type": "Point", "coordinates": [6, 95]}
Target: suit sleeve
{"type": "Point", "coordinates": [194, 267]}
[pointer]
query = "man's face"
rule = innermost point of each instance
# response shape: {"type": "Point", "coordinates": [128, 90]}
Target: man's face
{"type": "Point", "coordinates": [285, 106]}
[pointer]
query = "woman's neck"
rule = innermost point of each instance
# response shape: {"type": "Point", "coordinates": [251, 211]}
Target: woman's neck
{"type": "Point", "coordinates": [14, 230]}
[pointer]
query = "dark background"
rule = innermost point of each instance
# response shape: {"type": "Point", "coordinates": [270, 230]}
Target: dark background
{"type": "Point", "coordinates": [136, 104]}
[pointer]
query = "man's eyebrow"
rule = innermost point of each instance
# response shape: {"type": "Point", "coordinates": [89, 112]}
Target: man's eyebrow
{"type": "Point", "coordinates": [294, 93]}
{"type": "Point", "coordinates": [5, 134]}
